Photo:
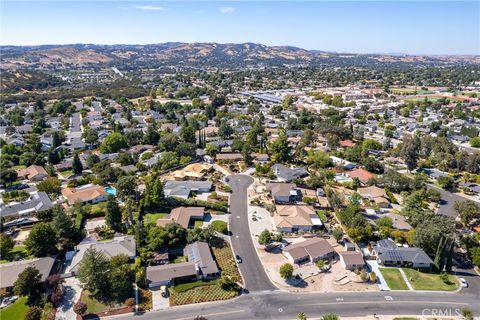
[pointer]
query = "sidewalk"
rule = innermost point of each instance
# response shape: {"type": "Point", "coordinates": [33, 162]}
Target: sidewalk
{"type": "Point", "coordinates": [404, 276]}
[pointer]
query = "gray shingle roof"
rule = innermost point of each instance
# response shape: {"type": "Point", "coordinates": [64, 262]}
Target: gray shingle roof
{"type": "Point", "coordinates": [36, 203]}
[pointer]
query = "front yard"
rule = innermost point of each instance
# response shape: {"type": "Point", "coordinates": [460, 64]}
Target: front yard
{"type": "Point", "coordinates": [203, 293]}
{"type": "Point", "coordinates": [15, 311]}
{"type": "Point", "coordinates": [95, 306]}
{"type": "Point", "coordinates": [226, 262]}
{"type": "Point", "coordinates": [394, 278]}
{"type": "Point", "coordinates": [430, 281]}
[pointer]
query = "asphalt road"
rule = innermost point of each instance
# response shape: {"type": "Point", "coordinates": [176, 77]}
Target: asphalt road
{"type": "Point", "coordinates": [448, 201]}
{"type": "Point", "coordinates": [282, 305]}
{"type": "Point", "coordinates": [251, 267]}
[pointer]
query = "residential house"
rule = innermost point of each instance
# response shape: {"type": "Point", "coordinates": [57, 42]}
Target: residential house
{"type": "Point", "coordinates": [310, 250]}
{"type": "Point", "coordinates": [169, 274]}
{"type": "Point", "coordinates": [286, 174]}
{"type": "Point", "coordinates": [389, 254]}
{"type": "Point", "coordinates": [351, 260]}
{"type": "Point", "coordinates": [37, 202]}
{"type": "Point", "coordinates": [183, 216]}
{"type": "Point", "coordinates": [199, 253]}
{"type": "Point", "coordinates": [183, 189]}
{"type": "Point", "coordinates": [375, 194]}
{"type": "Point", "coordinates": [11, 270]}
{"type": "Point", "coordinates": [293, 218]}
{"type": "Point", "coordinates": [119, 245]}
{"type": "Point", "coordinates": [194, 171]}
{"type": "Point", "coordinates": [85, 194]}
{"type": "Point", "coordinates": [284, 192]}
{"type": "Point", "coordinates": [361, 174]}
{"type": "Point", "coordinates": [33, 173]}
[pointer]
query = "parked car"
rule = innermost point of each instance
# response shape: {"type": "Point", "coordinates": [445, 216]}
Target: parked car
{"type": "Point", "coordinates": [163, 291]}
{"type": "Point", "coordinates": [19, 186]}
{"type": "Point", "coordinates": [238, 259]}
{"type": "Point", "coordinates": [463, 283]}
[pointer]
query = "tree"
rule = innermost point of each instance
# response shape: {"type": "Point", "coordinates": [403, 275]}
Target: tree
{"type": "Point", "coordinates": [475, 142]}
{"type": "Point", "coordinates": [63, 225]}
{"type": "Point", "coordinates": [42, 240]}
{"type": "Point", "coordinates": [93, 272]}
{"type": "Point", "coordinates": [188, 134]}
{"type": "Point", "coordinates": [113, 143]}
{"type": "Point", "coordinates": [225, 130]}
{"type": "Point", "coordinates": [151, 135]}
{"type": "Point", "coordinates": [226, 282]}
{"type": "Point", "coordinates": [446, 182]}
{"type": "Point", "coordinates": [6, 245]}
{"type": "Point", "coordinates": [281, 148]}
{"type": "Point", "coordinates": [7, 177]}
{"type": "Point", "coordinates": [90, 136]}
{"type": "Point", "coordinates": [468, 211]}
{"type": "Point", "coordinates": [286, 271]}
{"type": "Point", "coordinates": [51, 186]}
{"type": "Point", "coordinates": [121, 278]}
{"type": "Point", "coordinates": [475, 255]}
{"type": "Point", "coordinates": [154, 197]}
{"type": "Point", "coordinates": [113, 216]}
{"type": "Point", "coordinates": [77, 166]}
{"type": "Point", "coordinates": [265, 237]}
{"type": "Point", "coordinates": [126, 188]}
{"type": "Point", "coordinates": [28, 283]}
{"type": "Point", "coordinates": [337, 234]}
{"type": "Point", "coordinates": [410, 151]}
{"type": "Point", "coordinates": [80, 308]}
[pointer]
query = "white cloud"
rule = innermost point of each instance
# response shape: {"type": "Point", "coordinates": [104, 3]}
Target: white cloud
{"type": "Point", "coordinates": [150, 8]}
{"type": "Point", "coordinates": [227, 10]}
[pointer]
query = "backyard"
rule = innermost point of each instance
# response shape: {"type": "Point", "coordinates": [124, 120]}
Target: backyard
{"type": "Point", "coordinates": [153, 217]}
{"type": "Point", "coordinates": [17, 253]}
{"type": "Point", "coordinates": [430, 281]}
{"type": "Point", "coordinates": [394, 278]}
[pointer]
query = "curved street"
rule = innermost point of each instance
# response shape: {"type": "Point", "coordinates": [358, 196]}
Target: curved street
{"type": "Point", "coordinates": [251, 267]}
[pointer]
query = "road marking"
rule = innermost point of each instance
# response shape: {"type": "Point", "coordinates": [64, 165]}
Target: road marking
{"type": "Point", "coordinates": [215, 314]}
{"type": "Point", "coordinates": [393, 302]}
{"type": "Point", "coordinates": [237, 237]}
{"type": "Point", "coordinates": [238, 217]}
{"type": "Point", "coordinates": [339, 299]}
{"type": "Point", "coordinates": [280, 309]}
{"type": "Point", "coordinates": [388, 298]}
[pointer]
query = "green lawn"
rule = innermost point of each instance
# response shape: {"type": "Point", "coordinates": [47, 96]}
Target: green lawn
{"type": "Point", "coordinates": [198, 224]}
{"type": "Point", "coordinates": [190, 285]}
{"type": "Point", "coordinates": [17, 251]}
{"type": "Point", "coordinates": [430, 281]}
{"type": "Point", "coordinates": [95, 306]}
{"type": "Point", "coordinates": [66, 173]}
{"type": "Point", "coordinates": [152, 217]}
{"type": "Point", "coordinates": [393, 278]}
{"type": "Point", "coordinates": [15, 311]}
{"type": "Point", "coordinates": [321, 215]}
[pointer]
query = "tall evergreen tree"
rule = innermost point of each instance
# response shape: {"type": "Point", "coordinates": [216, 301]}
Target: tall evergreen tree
{"type": "Point", "coordinates": [77, 166]}
{"type": "Point", "coordinates": [440, 254]}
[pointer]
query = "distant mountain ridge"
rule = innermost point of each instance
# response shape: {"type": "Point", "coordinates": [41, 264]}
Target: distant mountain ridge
{"type": "Point", "coordinates": [201, 53]}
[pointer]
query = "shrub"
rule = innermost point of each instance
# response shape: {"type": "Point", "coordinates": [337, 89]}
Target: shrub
{"type": "Point", "coordinates": [130, 302]}
{"type": "Point", "coordinates": [80, 308]}
{"type": "Point", "coordinates": [286, 271]}
{"type": "Point", "coordinates": [33, 313]}
{"type": "Point", "coordinates": [373, 277]}
{"type": "Point", "coordinates": [220, 226]}
{"type": "Point", "coordinates": [265, 237]}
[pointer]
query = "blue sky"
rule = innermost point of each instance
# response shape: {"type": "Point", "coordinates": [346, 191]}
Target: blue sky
{"type": "Point", "coordinates": [446, 27]}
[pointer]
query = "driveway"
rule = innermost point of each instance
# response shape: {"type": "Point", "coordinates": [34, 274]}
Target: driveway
{"type": "Point", "coordinates": [72, 295]}
{"type": "Point", "coordinates": [382, 284]}
{"type": "Point", "coordinates": [159, 302]}
{"type": "Point", "coordinates": [251, 268]}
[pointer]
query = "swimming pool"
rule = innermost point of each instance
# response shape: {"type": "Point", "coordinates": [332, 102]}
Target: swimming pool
{"type": "Point", "coordinates": [111, 191]}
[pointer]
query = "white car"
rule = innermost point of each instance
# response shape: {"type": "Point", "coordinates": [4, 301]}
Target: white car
{"type": "Point", "coordinates": [463, 283]}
